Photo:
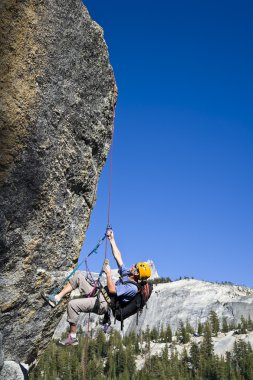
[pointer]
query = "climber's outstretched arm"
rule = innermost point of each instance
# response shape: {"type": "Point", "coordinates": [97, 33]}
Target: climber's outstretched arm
{"type": "Point", "coordinates": [115, 251]}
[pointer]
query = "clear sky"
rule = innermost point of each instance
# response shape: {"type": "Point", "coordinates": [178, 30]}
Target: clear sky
{"type": "Point", "coordinates": [182, 192]}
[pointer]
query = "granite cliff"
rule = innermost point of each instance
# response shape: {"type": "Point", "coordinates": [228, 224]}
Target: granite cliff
{"type": "Point", "coordinates": [57, 106]}
{"type": "Point", "coordinates": [187, 300]}
{"type": "Point", "coordinates": [184, 300]}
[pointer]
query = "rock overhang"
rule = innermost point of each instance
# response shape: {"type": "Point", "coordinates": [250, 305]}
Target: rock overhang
{"type": "Point", "coordinates": [59, 94]}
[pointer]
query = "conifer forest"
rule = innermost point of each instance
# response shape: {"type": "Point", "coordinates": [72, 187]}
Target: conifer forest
{"type": "Point", "coordinates": [112, 356]}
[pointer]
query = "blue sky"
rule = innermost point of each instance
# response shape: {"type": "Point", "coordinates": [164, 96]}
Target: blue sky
{"type": "Point", "coordinates": [183, 149]}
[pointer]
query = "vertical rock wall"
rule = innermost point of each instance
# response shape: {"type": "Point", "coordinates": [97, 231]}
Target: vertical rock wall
{"type": "Point", "coordinates": [57, 104]}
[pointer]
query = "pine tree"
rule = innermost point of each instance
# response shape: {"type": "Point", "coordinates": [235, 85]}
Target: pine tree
{"type": "Point", "coordinates": [137, 349]}
{"type": "Point", "coordinates": [110, 366]}
{"type": "Point", "coordinates": [189, 328]}
{"type": "Point", "coordinates": [130, 362]}
{"type": "Point", "coordinates": [154, 334]}
{"type": "Point", "coordinates": [214, 322]}
{"type": "Point", "coordinates": [146, 337]}
{"type": "Point", "coordinates": [146, 334]}
{"type": "Point", "coordinates": [206, 347]}
{"type": "Point", "coordinates": [232, 326]}
{"type": "Point", "coordinates": [161, 335]}
{"type": "Point", "coordinates": [250, 324]}
{"type": "Point", "coordinates": [243, 359]}
{"type": "Point", "coordinates": [168, 335]}
{"type": "Point", "coordinates": [185, 358]}
{"type": "Point", "coordinates": [194, 357]}
{"type": "Point", "coordinates": [200, 328]}
{"type": "Point", "coordinates": [208, 369]}
{"type": "Point", "coordinates": [225, 327]}
{"type": "Point", "coordinates": [182, 335]}
{"type": "Point", "coordinates": [228, 363]}
{"type": "Point", "coordinates": [101, 344]}
{"type": "Point", "coordinates": [244, 325]}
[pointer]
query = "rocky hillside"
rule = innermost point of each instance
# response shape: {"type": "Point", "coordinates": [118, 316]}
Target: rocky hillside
{"type": "Point", "coordinates": [57, 106]}
{"type": "Point", "coordinates": [185, 300]}
{"type": "Point", "coordinates": [193, 300]}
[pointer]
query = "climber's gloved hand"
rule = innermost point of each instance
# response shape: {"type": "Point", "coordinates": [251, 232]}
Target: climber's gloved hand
{"type": "Point", "coordinates": [109, 234]}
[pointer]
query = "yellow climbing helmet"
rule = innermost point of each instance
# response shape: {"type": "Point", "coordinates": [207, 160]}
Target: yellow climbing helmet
{"type": "Point", "coordinates": [144, 271]}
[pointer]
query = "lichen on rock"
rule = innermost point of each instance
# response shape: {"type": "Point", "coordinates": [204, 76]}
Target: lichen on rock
{"type": "Point", "coordinates": [57, 106]}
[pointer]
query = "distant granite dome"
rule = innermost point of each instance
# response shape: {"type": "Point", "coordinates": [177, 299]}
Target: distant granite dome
{"type": "Point", "coordinates": [57, 106]}
{"type": "Point", "coordinates": [192, 300]}
{"type": "Point", "coordinates": [185, 300]}
{"type": "Point", "coordinates": [154, 273]}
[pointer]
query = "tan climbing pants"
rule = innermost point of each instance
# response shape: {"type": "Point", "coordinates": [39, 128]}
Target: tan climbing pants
{"type": "Point", "coordinates": [85, 305]}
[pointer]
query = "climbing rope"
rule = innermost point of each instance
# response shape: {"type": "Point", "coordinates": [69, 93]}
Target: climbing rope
{"type": "Point", "coordinates": [89, 277]}
{"type": "Point", "coordinates": [111, 166]}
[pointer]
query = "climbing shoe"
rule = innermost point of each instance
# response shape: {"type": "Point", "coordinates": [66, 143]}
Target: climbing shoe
{"type": "Point", "coordinates": [106, 318]}
{"type": "Point", "coordinates": [50, 299]}
{"type": "Point", "coordinates": [69, 341]}
{"type": "Point", "coordinates": [107, 328]}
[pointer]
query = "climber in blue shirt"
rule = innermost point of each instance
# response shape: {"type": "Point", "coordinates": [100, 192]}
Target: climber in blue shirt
{"type": "Point", "coordinates": [125, 292]}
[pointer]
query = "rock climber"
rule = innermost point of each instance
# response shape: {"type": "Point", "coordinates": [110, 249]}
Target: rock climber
{"type": "Point", "coordinates": [97, 303]}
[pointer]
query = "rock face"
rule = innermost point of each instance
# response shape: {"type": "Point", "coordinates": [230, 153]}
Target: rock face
{"type": "Point", "coordinates": [56, 127]}
{"type": "Point", "coordinates": [1, 352]}
{"type": "Point", "coordinates": [12, 371]}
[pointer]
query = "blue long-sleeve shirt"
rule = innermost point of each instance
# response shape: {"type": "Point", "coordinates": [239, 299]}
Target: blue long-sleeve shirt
{"type": "Point", "coordinates": [125, 292]}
